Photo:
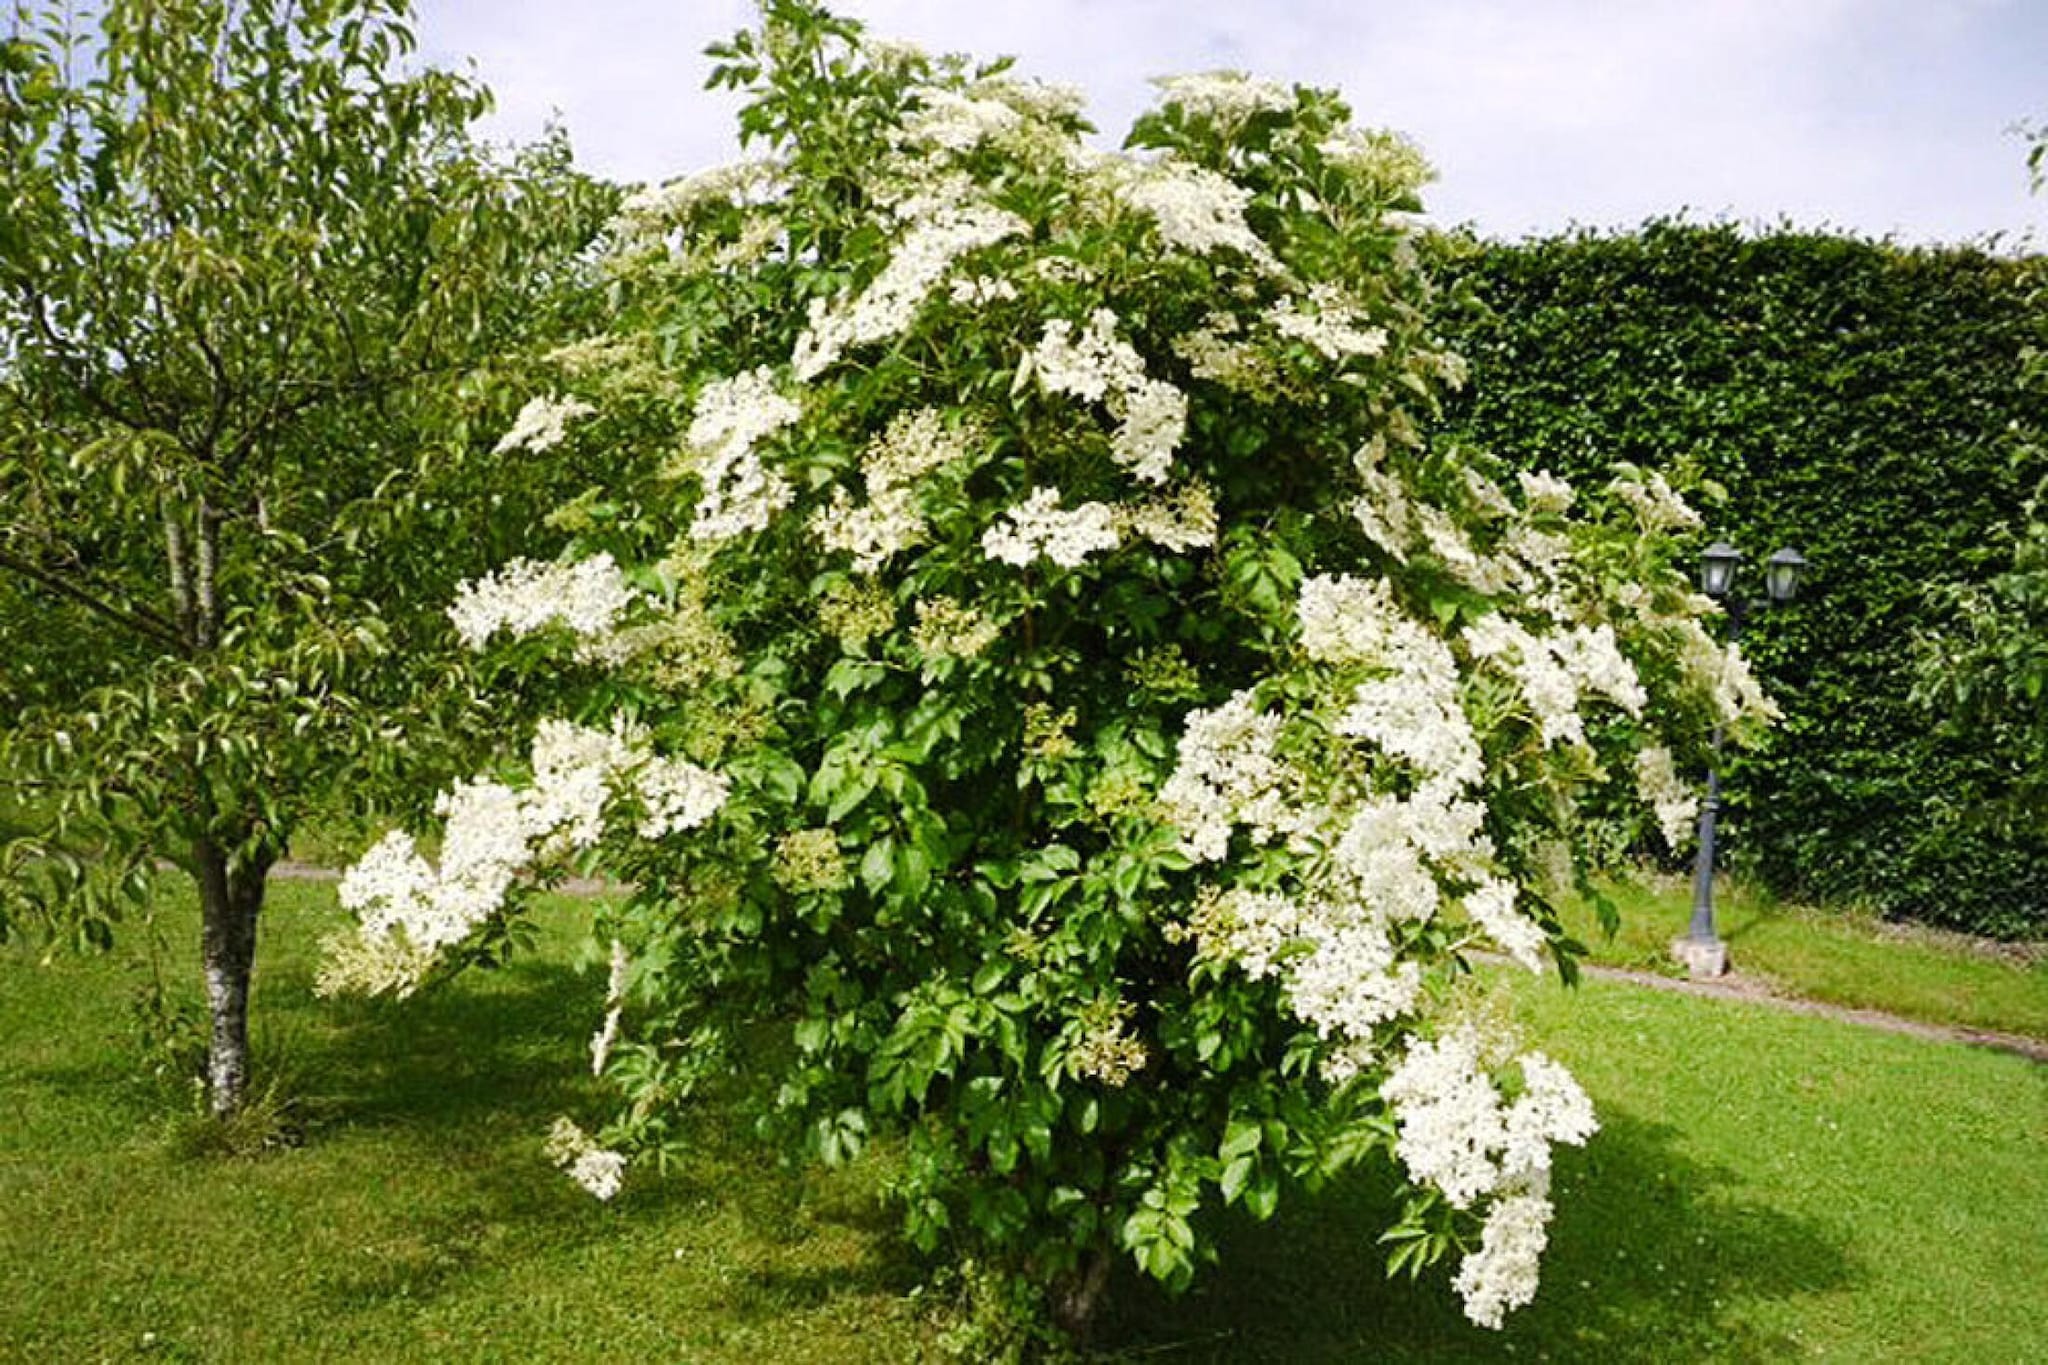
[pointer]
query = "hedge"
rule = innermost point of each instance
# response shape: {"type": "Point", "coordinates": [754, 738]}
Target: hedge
{"type": "Point", "coordinates": [1856, 399]}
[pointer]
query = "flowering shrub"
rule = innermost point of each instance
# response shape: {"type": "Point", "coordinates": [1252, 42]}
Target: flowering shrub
{"type": "Point", "coordinates": [1059, 697]}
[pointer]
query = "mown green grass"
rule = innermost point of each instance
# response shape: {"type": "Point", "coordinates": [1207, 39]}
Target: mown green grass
{"type": "Point", "coordinates": [1838, 956]}
{"type": "Point", "coordinates": [1764, 1186]}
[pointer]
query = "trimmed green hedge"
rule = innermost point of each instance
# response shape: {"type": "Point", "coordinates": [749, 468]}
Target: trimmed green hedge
{"type": "Point", "coordinates": [1858, 400]}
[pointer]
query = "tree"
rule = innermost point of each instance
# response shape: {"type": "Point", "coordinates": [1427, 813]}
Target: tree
{"type": "Point", "coordinates": [248, 263]}
{"type": "Point", "coordinates": [1061, 710]}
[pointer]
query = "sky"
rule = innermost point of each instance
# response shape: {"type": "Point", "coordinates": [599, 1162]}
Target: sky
{"type": "Point", "coordinates": [1887, 118]}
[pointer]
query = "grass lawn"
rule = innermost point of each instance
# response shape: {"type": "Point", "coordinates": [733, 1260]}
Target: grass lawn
{"type": "Point", "coordinates": [1765, 1185]}
{"type": "Point", "coordinates": [1837, 956]}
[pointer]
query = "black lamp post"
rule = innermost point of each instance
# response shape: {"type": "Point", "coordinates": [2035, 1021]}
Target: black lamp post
{"type": "Point", "coordinates": [1701, 950]}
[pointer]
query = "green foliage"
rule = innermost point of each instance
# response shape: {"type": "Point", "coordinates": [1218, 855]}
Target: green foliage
{"type": "Point", "coordinates": [1857, 400]}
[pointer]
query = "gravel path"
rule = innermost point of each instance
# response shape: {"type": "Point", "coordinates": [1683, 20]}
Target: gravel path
{"type": "Point", "coordinates": [1735, 986]}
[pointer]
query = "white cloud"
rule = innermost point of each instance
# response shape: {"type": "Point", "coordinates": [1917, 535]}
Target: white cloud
{"type": "Point", "coordinates": [1873, 115]}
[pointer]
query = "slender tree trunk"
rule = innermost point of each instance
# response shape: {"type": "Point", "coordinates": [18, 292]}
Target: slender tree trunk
{"type": "Point", "coordinates": [231, 901]}
{"type": "Point", "coordinates": [1077, 1298]}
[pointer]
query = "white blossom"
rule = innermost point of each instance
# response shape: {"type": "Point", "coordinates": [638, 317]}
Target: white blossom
{"type": "Point", "coordinates": [1546, 685]}
{"type": "Point", "coordinates": [953, 122]}
{"type": "Point", "coordinates": [542, 424]}
{"type": "Point", "coordinates": [1338, 965]}
{"type": "Point", "coordinates": [677, 794]}
{"type": "Point", "coordinates": [1502, 1274]}
{"type": "Point", "coordinates": [1677, 805]}
{"type": "Point", "coordinates": [615, 1007]}
{"type": "Point", "coordinates": [1226, 98]}
{"type": "Point", "coordinates": [647, 215]}
{"type": "Point", "coordinates": [1657, 506]}
{"type": "Point", "coordinates": [1385, 512]}
{"type": "Point", "coordinates": [890, 303]}
{"type": "Point", "coordinates": [1380, 861]}
{"type": "Point", "coordinates": [1411, 717]}
{"type": "Point", "coordinates": [1099, 366]}
{"type": "Point", "coordinates": [600, 1171]}
{"type": "Point", "coordinates": [1594, 659]}
{"type": "Point", "coordinates": [1448, 1115]}
{"type": "Point", "coordinates": [1195, 209]}
{"type": "Point", "coordinates": [1333, 324]}
{"type": "Point", "coordinates": [586, 596]}
{"type": "Point", "coordinates": [979, 291]}
{"type": "Point", "coordinates": [1039, 528]}
{"type": "Point", "coordinates": [1387, 164]}
{"type": "Point", "coordinates": [1187, 521]}
{"type": "Point", "coordinates": [732, 416]}
{"type": "Point", "coordinates": [1492, 908]}
{"type": "Point", "coordinates": [408, 910]}
{"type": "Point", "coordinates": [1225, 773]}
{"type": "Point", "coordinates": [1543, 491]}
{"type": "Point", "coordinates": [1454, 1132]}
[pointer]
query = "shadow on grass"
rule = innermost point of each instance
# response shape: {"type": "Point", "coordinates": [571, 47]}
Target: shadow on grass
{"type": "Point", "coordinates": [468, 1078]}
{"type": "Point", "coordinates": [1653, 1257]}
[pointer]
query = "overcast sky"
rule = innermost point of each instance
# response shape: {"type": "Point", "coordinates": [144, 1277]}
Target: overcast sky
{"type": "Point", "coordinates": [1885, 117]}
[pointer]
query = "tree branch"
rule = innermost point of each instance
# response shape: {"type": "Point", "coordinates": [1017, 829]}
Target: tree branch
{"type": "Point", "coordinates": [141, 621]}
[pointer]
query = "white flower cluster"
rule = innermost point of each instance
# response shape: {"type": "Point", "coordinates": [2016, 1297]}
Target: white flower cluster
{"type": "Point", "coordinates": [1492, 908]}
{"type": "Point", "coordinates": [1456, 1133]}
{"type": "Point", "coordinates": [1224, 98]}
{"type": "Point", "coordinates": [586, 596]}
{"type": "Point", "coordinates": [1503, 1273]}
{"type": "Point", "coordinates": [1045, 101]}
{"type": "Point", "coordinates": [542, 424]}
{"type": "Point", "coordinates": [1543, 491]}
{"type": "Point", "coordinates": [1220, 351]}
{"type": "Point", "coordinates": [1186, 521]}
{"type": "Point", "coordinates": [1594, 659]}
{"type": "Point", "coordinates": [1226, 774]}
{"type": "Point", "coordinates": [1677, 805]}
{"type": "Point", "coordinates": [740, 493]}
{"type": "Point", "coordinates": [1330, 322]}
{"type": "Point", "coordinates": [1412, 711]}
{"type": "Point", "coordinates": [947, 630]}
{"type": "Point", "coordinates": [409, 910]}
{"type": "Point", "coordinates": [943, 231]}
{"type": "Point", "coordinates": [1336, 948]}
{"type": "Point", "coordinates": [647, 215]}
{"type": "Point", "coordinates": [1724, 674]}
{"type": "Point", "coordinates": [1552, 669]}
{"type": "Point", "coordinates": [1195, 209]}
{"type": "Point", "coordinates": [1039, 528]}
{"type": "Point", "coordinates": [1335, 959]}
{"type": "Point", "coordinates": [1387, 164]}
{"type": "Point", "coordinates": [1099, 367]}
{"type": "Point", "coordinates": [979, 291]}
{"type": "Point", "coordinates": [1384, 511]}
{"type": "Point", "coordinates": [1656, 505]}
{"type": "Point", "coordinates": [598, 1170]}
{"type": "Point", "coordinates": [953, 122]}
{"type": "Point", "coordinates": [1350, 620]}
{"type": "Point", "coordinates": [913, 445]}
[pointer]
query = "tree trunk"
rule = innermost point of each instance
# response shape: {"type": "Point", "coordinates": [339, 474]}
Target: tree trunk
{"type": "Point", "coordinates": [1077, 1297]}
{"type": "Point", "coordinates": [230, 899]}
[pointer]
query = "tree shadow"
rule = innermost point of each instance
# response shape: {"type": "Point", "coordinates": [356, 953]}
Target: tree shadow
{"type": "Point", "coordinates": [468, 1078]}
{"type": "Point", "coordinates": [1650, 1258]}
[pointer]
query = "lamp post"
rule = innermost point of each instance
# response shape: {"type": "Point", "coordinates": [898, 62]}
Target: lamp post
{"type": "Point", "coordinates": [1701, 950]}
